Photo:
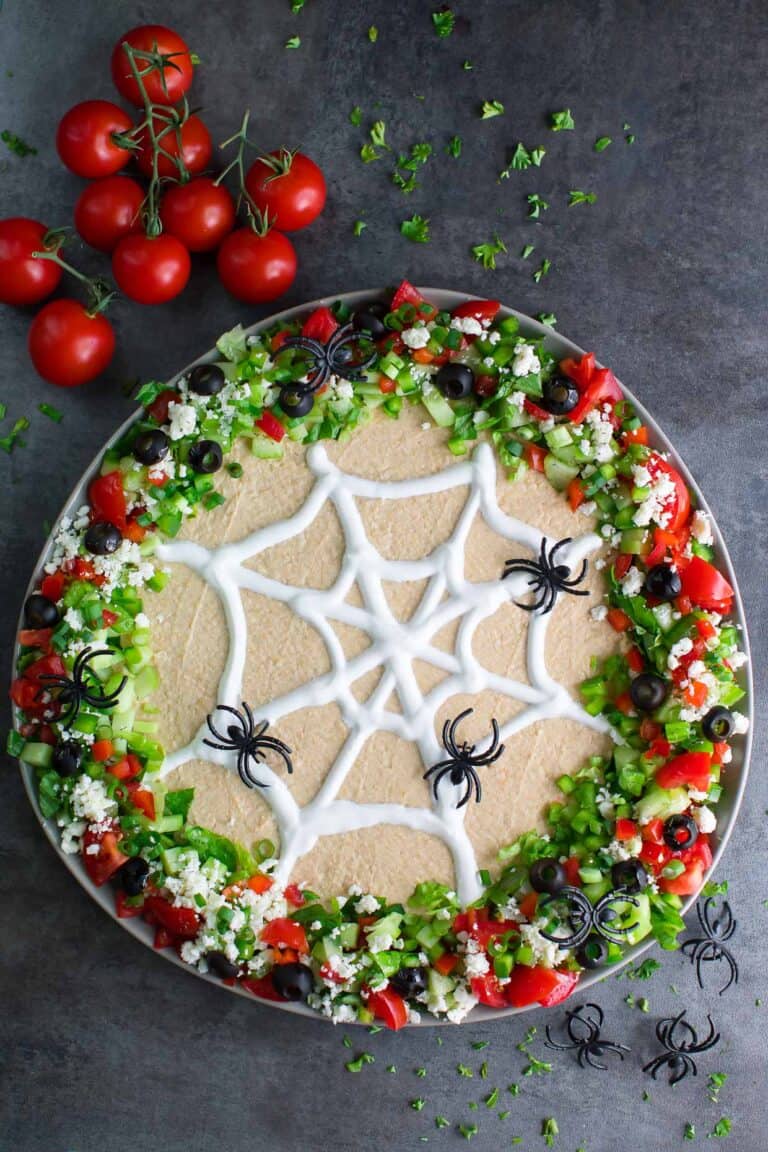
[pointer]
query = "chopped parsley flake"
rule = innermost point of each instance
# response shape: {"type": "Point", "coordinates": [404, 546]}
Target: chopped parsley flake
{"type": "Point", "coordinates": [721, 1129]}
{"type": "Point", "coordinates": [562, 121]}
{"type": "Point", "coordinates": [522, 158]}
{"type": "Point", "coordinates": [416, 229]}
{"type": "Point", "coordinates": [3, 411]}
{"type": "Point", "coordinates": [492, 1099]}
{"type": "Point", "coordinates": [526, 252]}
{"type": "Point", "coordinates": [642, 971]}
{"type": "Point", "coordinates": [297, 5]}
{"type": "Point", "coordinates": [293, 42]}
{"type": "Point", "coordinates": [542, 270]}
{"type": "Point", "coordinates": [373, 33]}
{"type": "Point", "coordinates": [16, 145]}
{"type": "Point", "coordinates": [486, 254]}
{"type": "Point", "coordinates": [715, 1083]}
{"type": "Point", "coordinates": [467, 65]}
{"type": "Point", "coordinates": [513, 1089]}
{"type": "Point", "coordinates": [443, 21]}
{"type": "Point", "coordinates": [453, 147]}
{"type": "Point", "coordinates": [484, 1070]}
{"type": "Point", "coordinates": [478, 1045]}
{"type": "Point", "coordinates": [421, 1072]}
{"type": "Point", "coordinates": [549, 1130]}
{"type": "Point", "coordinates": [378, 134]}
{"type": "Point", "coordinates": [409, 163]}
{"type": "Point", "coordinates": [441, 1122]}
{"type": "Point", "coordinates": [468, 1130]}
{"type": "Point", "coordinates": [575, 196]}
{"type": "Point", "coordinates": [392, 1068]}
{"type": "Point", "coordinates": [536, 205]}
{"type": "Point", "coordinates": [715, 888]}
{"type": "Point", "coordinates": [418, 1104]}
{"type": "Point", "coordinates": [630, 138]}
{"type": "Point", "coordinates": [14, 437]}
{"type": "Point", "coordinates": [51, 412]}
{"type": "Point", "coordinates": [463, 1070]}
{"type": "Point", "coordinates": [536, 1067]}
{"type": "Point", "coordinates": [505, 1114]}
{"type": "Point", "coordinates": [359, 227]}
{"type": "Point", "coordinates": [347, 1042]}
{"type": "Point", "coordinates": [547, 318]}
{"type": "Point", "coordinates": [368, 153]}
{"type": "Point", "coordinates": [356, 116]}
{"type": "Point", "coordinates": [357, 1065]}
{"type": "Point", "coordinates": [491, 108]}
{"type": "Point", "coordinates": [602, 143]}
{"type": "Point", "coordinates": [689, 1132]}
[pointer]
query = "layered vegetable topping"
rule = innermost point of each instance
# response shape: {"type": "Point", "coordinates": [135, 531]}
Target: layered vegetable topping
{"type": "Point", "coordinates": [629, 837]}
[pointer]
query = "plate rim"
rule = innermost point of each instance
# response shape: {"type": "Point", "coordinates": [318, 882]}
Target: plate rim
{"type": "Point", "coordinates": [480, 1014]}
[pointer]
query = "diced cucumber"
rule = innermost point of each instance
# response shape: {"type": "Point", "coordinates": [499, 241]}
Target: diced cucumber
{"type": "Point", "coordinates": [438, 985]}
{"type": "Point", "coordinates": [438, 408]}
{"type": "Point", "coordinates": [558, 437]}
{"type": "Point", "coordinates": [635, 542]}
{"type": "Point", "coordinates": [37, 755]}
{"type": "Point", "coordinates": [325, 948]}
{"type": "Point", "coordinates": [167, 823]}
{"type": "Point", "coordinates": [558, 473]}
{"type": "Point", "coordinates": [265, 448]}
{"type": "Point", "coordinates": [661, 803]}
{"type": "Point", "coordinates": [348, 935]}
{"type": "Point", "coordinates": [174, 859]}
{"type": "Point", "coordinates": [146, 682]}
{"type": "Point", "coordinates": [389, 925]}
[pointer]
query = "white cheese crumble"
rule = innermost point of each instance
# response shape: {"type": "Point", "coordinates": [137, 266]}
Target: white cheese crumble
{"type": "Point", "coordinates": [415, 337]}
{"type": "Point", "coordinates": [525, 361]}
{"type": "Point", "coordinates": [468, 325]}
{"type": "Point", "coordinates": [678, 650]}
{"type": "Point", "coordinates": [701, 529]}
{"type": "Point", "coordinates": [366, 906]}
{"type": "Point", "coordinates": [182, 420]}
{"type": "Point", "coordinates": [706, 821]}
{"type": "Point", "coordinates": [90, 800]}
{"type": "Point", "coordinates": [632, 583]}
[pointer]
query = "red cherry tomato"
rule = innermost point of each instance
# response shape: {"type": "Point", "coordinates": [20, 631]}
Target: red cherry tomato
{"type": "Point", "coordinates": [484, 310]}
{"type": "Point", "coordinates": [151, 269]}
{"type": "Point", "coordinates": [23, 279]}
{"type": "Point", "coordinates": [191, 142]}
{"type": "Point", "coordinates": [256, 268]}
{"type": "Point", "coordinates": [292, 198]}
{"type": "Point", "coordinates": [182, 923]}
{"type": "Point", "coordinates": [86, 139]}
{"type": "Point", "coordinates": [688, 770]}
{"type": "Point", "coordinates": [200, 213]}
{"type": "Point", "coordinates": [164, 85]}
{"type": "Point", "coordinates": [488, 990]}
{"type": "Point", "coordinates": [405, 293]}
{"type": "Point", "coordinates": [107, 210]}
{"type": "Point", "coordinates": [539, 985]}
{"type": "Point", "coordinates": [678, 505]}
{"type": "Point", "coordinates": [106, 497]}
{"type": "Point", "coordinates": [285, 933]}
{"type": "Point", "coordinates": [100, 865]}
{"type": "Point", "coordinates": [389, 1007]}
{"type": "Point", "coordinates": [704, 586]}
{"type": "Point", "coordinates": [320, 325]}
{"type": "Point", "coordinates": [68, 345]}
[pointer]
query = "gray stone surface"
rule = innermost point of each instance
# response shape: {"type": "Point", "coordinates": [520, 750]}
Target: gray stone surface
{"type": "Point", "coordinates": [103, 1043]}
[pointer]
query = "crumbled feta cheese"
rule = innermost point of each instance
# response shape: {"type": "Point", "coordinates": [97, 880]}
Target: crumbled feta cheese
{"type": "Point", "coordinates": [701, 529]}
{"type": "Point", "coordinates": [366, 905]}
{"type": "Point", "coordinates": [654, 507]}
{"type": "Point", "coordinates": [415, 337]}
{"type": "Point", "coordinates": [182, 420]}
{"type": "Point", "coordinates": [544, 951]}
{"type": "Point", "coordinates": [71, 836]}
{"type": "Point", "coordinates": [468, 325]}
{"type": "Point", "coordinates": [740, 723]}
{"type": "Point", "coordinates": [598, 613]}
{"type": "Point", "coordinates": [380, 943]}
{"type": "Point", "coordinates": [141, 620]}
{"type": "Point", "coordinates": [706, 821]}
{"type": "Point", "coordinates": [74, 619]}
{"type": "Point", "coordinates": [737, 660]}
{"type": "Point", "coordinates": [516, 399]}
{"type": "Point", "coordinates": [525, 361]}
{"type": "Point", "coordinates": [681, 648]}
{"type": "Point", "coordinates": [632, 583]}
{"type": "Point", "coordinates": [90, 800]}
{"type": "Point", "coordinates": [463, 1004]}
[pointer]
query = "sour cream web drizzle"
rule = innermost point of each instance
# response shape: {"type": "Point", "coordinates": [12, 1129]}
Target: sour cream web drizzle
{"type": "Point", "coordinates": [394, 646]}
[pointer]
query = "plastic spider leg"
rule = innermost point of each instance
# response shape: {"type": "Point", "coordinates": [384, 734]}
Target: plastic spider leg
{"type": "Point", "coordinates": [588, 1056]}
{"type": "Point", "coordinates": [550, 1043]}
{"type": "Point", "coordinates": [249, 718]}
{"type": "Point", "coordinates": [245, 773]}
{"type": "Point", "coordinates": [451, 743]}
{"type": "Point", "coordinates": [226, 741]}
{"type": "Point", "coordinates": [282, 750]}
{"type": "Point", "coordinates": [653, 1066]}
{"type": "Point", "coordinates": [685, 1065]}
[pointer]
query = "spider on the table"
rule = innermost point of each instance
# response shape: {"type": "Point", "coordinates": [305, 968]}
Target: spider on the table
{"type": "Point", "coordinates": [248, 739]}
{"type": "Point", "coordinates": [583, 1026]}
{"type": "Point", "coordinates": [681, 1043]}
{"type": "Point", "coordinates": [81, 687]}
{"type": "Point", "coordinates": [547, 577]}
{"type": "Point", "coordinates": [463, 762]}
{"type": "Point", "coordinates": [718, 926]}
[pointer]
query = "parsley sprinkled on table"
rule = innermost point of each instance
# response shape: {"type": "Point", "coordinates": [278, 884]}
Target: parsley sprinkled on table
{"type": "Point", "coordinates": [602, 143]}
{"type": "Point", "coordinates": [373, 33]}
{"type": "Point", "coordinates": [491, 108]}
{"type": "Point", "coordinates": [416, 229]}
{"type": "Point", "coordinates": [359, 227]}
{"type": "Point", "coordinates": [293, 42]}
{"type": "Point", "coordinates": [443, 21]}
{"type": "Point", "coordinates": [486, 253]}
{"type": "Point", "coordinates": [453, 147]}
{"type": "Point", "coordinates": [542, 270]}
{"type": "Point", "coordinates": [562, 121]}
{"type": "Point", "coordinates": [576, 196]}
{"type": "Point", "coordinates": [536, 205]}
{"type": "Point", "coordinates": [15, 144]}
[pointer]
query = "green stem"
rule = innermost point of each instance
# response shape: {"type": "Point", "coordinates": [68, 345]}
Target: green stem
{"type": "Point", "coordinates": [100, 291]}
{"type": "Point", "coordinates": [257, 220]}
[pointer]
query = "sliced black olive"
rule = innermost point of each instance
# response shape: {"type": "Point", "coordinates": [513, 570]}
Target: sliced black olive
{"type": "Point", "coordinates": [629, 875]}
{"type": "Point", "coordinates": [592, 953]}
{"type": "Point", "coordinates": [455, 380]}
{"type": "Point", "coordinates": [40, 612]}
{"type": "Point", "coordinates": [718, 724]}
{"type": "Point", "coordinates": [205, 456]}
{"type": "Point", "coordinates": [221, 966]}
{"type": "Point", "coordinates": [648, 691]}
{"type": "Point", "coordinates": [369, 322]}
{"type": "Point", "coordinates": [547, 875]}
{"type": "Point", "coordinates": [102, 538]}
{"type": "Point", "coordinates": [559, 396]}
{"type": "Point", "coordinates": [133, 875]}
{"type": "Point", "coordinates": [680, 832]}
{"type": "Point", "coordinates": [67, 758]}
{"type": "Point", "coordinates": [663, 582]}
{"type": "Point", "coordinates": [296, 401]}
{"type": "Point", "coordinates": [293, 981]}
{"type": "Point", "coordinates": [151, 447]}
{"type": "Point", "coordinates": [409, 982]}
{"type": "Point", "coordinates": [207, 379]}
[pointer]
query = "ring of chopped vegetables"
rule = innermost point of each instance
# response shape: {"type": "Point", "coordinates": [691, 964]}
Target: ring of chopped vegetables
{"type": "Point", "coordinates": [213, 900]}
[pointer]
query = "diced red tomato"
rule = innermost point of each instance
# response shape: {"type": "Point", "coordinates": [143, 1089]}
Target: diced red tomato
{"type": "Point", "coordinates": [534, 454]}
{"type": "Point", "coordinates": [446, 963]}
{"type": "Point", "coordinates": [285, 956]}
{"type": "Point", "coordinates": [618, 620]}
{"type": "Point", "coordinates": [388, 1007]}
{"type": "Point", "coordinates": [46, 666]}
{"type": "Point", "coordinates": [107, 499]}
{"type": "Point", "coordinates": [101, 750]}
{"type": "Point", "coordinates": [483, 310]}
{"type": "Point", "coordinates": [279, 339]}
{"type": "Point", "coordinates": [719, 750]}
{"type": "Point", "coordinates": [686, 883]}
{"type": "Point", "coordinates": [82, 569]}
{"type": "Point", "coordinates": [294, 895]}
{"type": "Point", "coordinates": [622, 565]}
{"type": "Point", "coordinates": [696, 694]}
{"type": "Point", "coordinates": [706, 629]}
{"type": "Point", "coordinates": [53, 586]}
{"type": "Point", "coordinates": [688, 770]}
{"type": "Point", "coordinates": [163, 939]}
{"type": "Point", "coordinates": [101, 865]}
{"type": "Point", "coordinates": [422, 356]}
{"type": "Point", "coordinates": [653, 831]}
{"type": "Point", "coordinates": [285, 933]}
{"type": "Point", "coordinates": [571, 866]}
{"type": "Point", "coordinates": [655, 855]}
{"type": "Point", "coordinates": [42, 733]}
{"type": "Point", "coordinates": [625, 829]}
{"type": "Point", "coordinates": [320, 325]}
{"type": "Point", "coordinates": [596, 385]}
{"type": "Point", "coordinates": [477, 923]}
{"type": "Point", "coordinates": [109, 618]}
{"type": "Point", "coordinates": [134, 531]}
{"type": "Point", "coordinates": [405, 293]}
{"type": "Point", "coordinates": [180, 923]}
{"type": "Point", "coordinates": [678, 506]}
{"type": "Point", "coordinates": [386, 385]}
{"type": "Point", "coordinates": [704, 585]}
{"type": "Point", "coordinates": [658, 749]}
{"type": "Point", "coordinates": [26, 696]}
{"type": "Point", "coordinates": [528, 905]}
{"type": "Point", "coordinates": [575, 493]}
{"type": "Point", "coordinates": [538, 985]}
{"type": "Point", "coordinates": [624, 703]}
{"type": "Point", "coordinates": [259, 883]}
{"type": "Point", "coordinates": [328, 973]}
{"type": "Point", "coordinates": [158, 409]}
{"type": "Point", "coordinates": [143, 799]}
{"type": "Point", "coordinates": [124, 910]}
{"type": "Point", "coordinates": [650, 730]}
{"type": "Point", "coordinates": [488, 990]}
{"type": "Point", "coordinates": [262, 987]}
{"type": "Point", "coordinates": [270, 426]}
{"type": "Point", "coordinates": [36, 638]}
{"type": "Point", "coordinates": [121, 770]}
{"type": "Point", "coordinates": [635, 436]}
{"type": "Point", "coordinates": [635, 660]}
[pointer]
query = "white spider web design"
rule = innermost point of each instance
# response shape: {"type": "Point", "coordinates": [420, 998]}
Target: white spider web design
{"type": "Point", "coordinates": [395, 645]}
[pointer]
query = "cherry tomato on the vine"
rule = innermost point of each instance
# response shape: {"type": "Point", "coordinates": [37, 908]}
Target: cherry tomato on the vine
{"type": "Point", "coordinates": [107, 210]}
{"type": "Point", "coordinates": [292, 199]}
{"type": "Point", "coordinates": [163, 86]}
{"type": "Point", "coordinates": [68, 345]}
{"type": "Point", "coordinates": [86, 139]}
{"type": "Point", "coordinates": [151, 269]}
{"type": "Point", "coordinates": [200, 213]}
{"type": "Point", "coordinates": [23, 279]}
{"type": "Point", "coordinates": [256, 268]}
{"type": "Point", "coordinates": [191, 141]}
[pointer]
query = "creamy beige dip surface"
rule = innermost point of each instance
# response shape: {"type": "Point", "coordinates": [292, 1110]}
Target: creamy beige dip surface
{"type": "Point", "coordinates": [284, 652]}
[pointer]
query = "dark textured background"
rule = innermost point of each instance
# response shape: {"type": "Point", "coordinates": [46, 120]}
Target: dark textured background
{"type": "Point", "coordinates": [104, 1044]}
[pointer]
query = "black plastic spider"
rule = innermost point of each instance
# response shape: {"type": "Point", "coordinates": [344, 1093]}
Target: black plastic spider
{"type": "Point", "coordinates": [680, 1049]}
{"type": "Point", "coordinates": [718, 926]}
{"type": "Point", "coordinates": [82, 687]}
{"type": "Point", "coordinates": [463, 761]}
{"type": "Point", "coordinates": [247, 738]}
{"type": "Point", "coordinates": [336, 358]}
{"type": "Point", "coordinates": [583, 1025]}
{"type": "Point", "coordinates": [571, 906]}
{"type": "Point", "coordinates": [547, 577]}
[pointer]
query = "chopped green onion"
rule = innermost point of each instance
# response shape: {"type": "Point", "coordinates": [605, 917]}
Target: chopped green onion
{"type": "Point", "coordinates": [51, 412]}
{"type": "Point", "coordinates": [602, 143]}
